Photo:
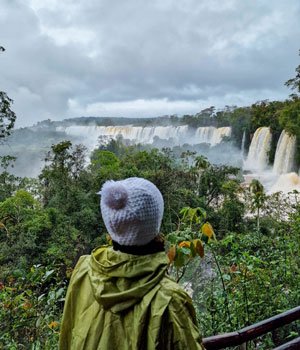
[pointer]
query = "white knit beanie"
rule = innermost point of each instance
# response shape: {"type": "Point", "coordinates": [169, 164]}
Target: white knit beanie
{"type": "Point", "coordinates": [132, 210]}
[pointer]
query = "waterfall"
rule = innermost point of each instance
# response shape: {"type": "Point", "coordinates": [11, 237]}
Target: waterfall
{"type": "Point", "coordinates": [133, 133]}
{"type": "Point", "coordinates": [220, 133]}
{"type": "Point", "coordinates": [204, 134]}
{"type": "Point", "coordinates": [285, 153]}
{"type": "Point", "coordinates": [259, 148]}
{"type": "Point", "coordinates": [211, 135]}
{"type": "Point", "coordinates": [179, 135]}
{"type": "Point", "coordinates": [243, 144]}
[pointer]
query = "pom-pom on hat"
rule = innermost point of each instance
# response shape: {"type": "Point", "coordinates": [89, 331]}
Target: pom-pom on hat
{"type": "Point", "coordinates": [132, 210]}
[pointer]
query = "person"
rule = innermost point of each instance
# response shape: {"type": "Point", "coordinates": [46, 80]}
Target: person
{"type": "Point", "coordinates": [120, 296]}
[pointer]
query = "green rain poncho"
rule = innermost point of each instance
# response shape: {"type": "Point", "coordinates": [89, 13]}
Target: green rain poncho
{"type": "Point", "coordinates": [121, 301]}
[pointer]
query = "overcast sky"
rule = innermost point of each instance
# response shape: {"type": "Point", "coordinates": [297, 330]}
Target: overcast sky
{"type": "Point", "coordinates": [144, 58]}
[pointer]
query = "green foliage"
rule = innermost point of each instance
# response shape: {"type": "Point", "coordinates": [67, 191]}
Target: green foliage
{"type": "Point", "coordinates": [24, 229]}
{"type": "Point", "coordinates": [105, 163]}
{"type": "Point", "coordinates": [257, 199]}
{"type": "Point", "coordinates": [7, 116]}
{"type": "Point", "coordinates": [211, 179]}
{"type": "Point", "coordinates": [8, 182]}
{"type": "Point", "coordinates": [30, 308]}
{"type": "Point", "coordinates": [255, 274]}
{"type": "Point", "coordinates": [263, 113]}
{"type": "Point", "coordinates": [289, 119]}
{"type": "Point", "coordinates": [230, 216]}
{"type": "Point", "coordinates": [187, 242]}
{"type": "Point", "coordinates": [239, 120]}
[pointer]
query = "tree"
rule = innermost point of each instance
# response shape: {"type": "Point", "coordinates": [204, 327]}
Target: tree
{"type": "Point", "coordinates": [24, 229]}
{"type": "Point", "coordinates": [8, 182]}
{"type": "Point", "coordinates": [258, 198]}
{"type": "Point", "coordinates": [7, 116]}
{"type": "Point", "coordinates": [67, 189]}
{"type": "Point", "coordinates": [62, 175]}
{"type": "Point", "coordinates": [105, 163]}
{"type": "Point", "coordinates": [211, 180]}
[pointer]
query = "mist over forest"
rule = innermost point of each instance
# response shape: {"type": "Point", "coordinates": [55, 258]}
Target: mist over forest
{"type": "Point", "coordinates": [30, 144]}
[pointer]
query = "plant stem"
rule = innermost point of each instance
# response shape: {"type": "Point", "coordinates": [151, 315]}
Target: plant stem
{"type": "Point", "coordinates": [246, 296]}
{"type": "Point", "coordinates": [224, 288]}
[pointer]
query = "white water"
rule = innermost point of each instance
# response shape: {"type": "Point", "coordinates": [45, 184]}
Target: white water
{"type": "Point", "coordinates": [257, 159]}
{"type": "Point", "coordinates": [211, 135]}
{"type": "Point", "coordinates": [256, 162]}
{"type": "Point", "coordinates": [286, 183]}
{"type": "Point", "coordinates": [178, 135]}
{"type": "Point", "coordinates": [285, 153]}
{"type": "Point", "coordinates": [281, 177]}
{"type": "Point", "coordinates": [243, 145]}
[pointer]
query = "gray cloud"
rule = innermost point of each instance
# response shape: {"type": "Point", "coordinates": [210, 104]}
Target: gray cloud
{"type": "Point", "coordinates": [140, 58]}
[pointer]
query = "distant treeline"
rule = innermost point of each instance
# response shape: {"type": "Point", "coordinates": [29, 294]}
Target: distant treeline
{"type": "Point", "coordinates": [278, 115]}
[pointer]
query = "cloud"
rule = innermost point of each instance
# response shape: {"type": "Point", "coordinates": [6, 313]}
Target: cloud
{"type": "Point", "coordinates": [158, 107]}
{"type": "Point", "coordinates": [135, 58]}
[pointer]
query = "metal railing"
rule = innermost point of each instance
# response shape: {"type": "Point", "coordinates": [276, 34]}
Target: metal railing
{"type": "Point", "coordinates": [246, 334]}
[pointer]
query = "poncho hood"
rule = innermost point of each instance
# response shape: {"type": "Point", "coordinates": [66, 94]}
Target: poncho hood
{"type": "Point", "coordinates": [121, 280]}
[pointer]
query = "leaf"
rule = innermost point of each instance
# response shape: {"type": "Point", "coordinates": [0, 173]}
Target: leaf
{"type": "Point", "coordinates": [185, 251]}
{"type": "Point", "coordinates": [27, 305]}
{"type": "Point", "coordinates": [180, 258]}
{"type": "Point", "coordinates": [59, 293]}
{"type": "Point", "coordinates": [233, 268]}
{"type": "Point", "coordinates": [184, 244]}
{"type": "Point", "coordinates": [40, 297]}
{"type": "Point", "coordinates": [108, 239]}
{"type": "Point", "coordinates": [202, 212]}
{"type": "Point", "coordinates": [38, 322]}
{"type": "Point", "coordinates": [226, 277]}
{"type": "Point", "coordinates": [172, 238]}
{"type": "Point", "coordinates": [193, 249]}
{"type": "Point", "coordinates": [184, 212]}
{"type": "Point", "coordinates": [48, 274]}
{"type": "Point", "coordinates": [53, 324]}
{"type": "Point", "coordinates": [204, 239]}
{"type": "Point", "coordinates": [199, 247]}
{"type": "Point", "coordinates": [171, 254]}
{"type": "Point", "coordinates": [207, 230]}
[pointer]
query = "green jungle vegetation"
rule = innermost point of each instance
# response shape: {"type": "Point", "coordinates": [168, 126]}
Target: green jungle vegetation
{"type": "Point", "coordinates": [234, 247]}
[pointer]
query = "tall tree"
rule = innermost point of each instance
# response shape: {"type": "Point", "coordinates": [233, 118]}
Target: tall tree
{"type": "Point", "coordinates": [7, 116]}
{"type": "Point", "coordinates": [258, 198]}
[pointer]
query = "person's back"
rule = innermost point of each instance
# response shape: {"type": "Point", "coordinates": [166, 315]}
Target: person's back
{"type": "Point", "coordinates": [121, 297]}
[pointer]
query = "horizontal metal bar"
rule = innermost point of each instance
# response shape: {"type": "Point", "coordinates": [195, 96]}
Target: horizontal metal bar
{"type": "Point", "coordinates": [222, 341]}
{"type": "Point", "coordinates": [291, 345]}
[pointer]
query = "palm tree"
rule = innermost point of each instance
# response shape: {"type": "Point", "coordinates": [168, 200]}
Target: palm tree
{"type": "Point", "coordinates": [257, 199]}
